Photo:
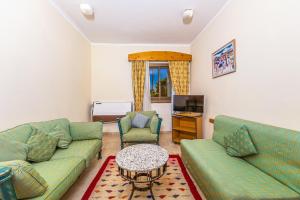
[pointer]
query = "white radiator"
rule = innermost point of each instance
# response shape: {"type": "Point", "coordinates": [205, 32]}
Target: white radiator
{"type": "Point", "coordinates": [111, 108]}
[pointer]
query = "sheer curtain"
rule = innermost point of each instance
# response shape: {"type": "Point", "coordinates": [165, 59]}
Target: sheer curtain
{"type": "Point", "coordinates": [147, 96]}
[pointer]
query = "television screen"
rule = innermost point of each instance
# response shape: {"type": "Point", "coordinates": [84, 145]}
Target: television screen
{"type": "Point", "coordinates": [188, 103]}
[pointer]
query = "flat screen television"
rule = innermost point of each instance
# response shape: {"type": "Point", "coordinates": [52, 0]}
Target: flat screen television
{"type": "Point", "coordinates": [188, 103]}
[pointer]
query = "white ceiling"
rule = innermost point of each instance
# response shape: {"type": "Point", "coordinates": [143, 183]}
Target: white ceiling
{"type": "Point", "coordinates": [140, 21]}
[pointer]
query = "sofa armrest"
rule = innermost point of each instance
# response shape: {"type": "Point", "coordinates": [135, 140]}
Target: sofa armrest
{"type": "Point", "coordinates": [124, 124]}
{"type": "Point", "coordinates": [155, 124]}
{"type": "Point", "coordinates": [86, 130]}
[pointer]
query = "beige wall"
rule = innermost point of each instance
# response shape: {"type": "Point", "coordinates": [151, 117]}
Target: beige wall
{"type": "Point", "coordinates": [111, 75]}
{"type": "Point", "coordinates": [44, 65]}
{"type": "Point", "coordinates": [266, 86]}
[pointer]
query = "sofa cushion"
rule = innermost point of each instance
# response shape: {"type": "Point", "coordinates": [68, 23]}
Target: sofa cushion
{"type": "Point", "coordinates": [139, 134]}
{"type": "Point", "coordinates": [278, 148]}
{"type": "Point", "coordinates": [12, 150]}
{"type": "Point", "coordinates": [149, 114]}
{"type": "Point", "coordinates": [28, 183]}
{"type": "Point", "coordinates": [20, 133]}
{"type": "Point", "coordinates": [60, 176]}
{"type": "Point", "coordinates": [41, 146]}
{"type": "Point", "coordinates": [239, 143]}
{"type": "Point", "coordinates": [86, 130]}
{"type": "Point", "coordinates": [221, 176]}
{"type": "Point", "coordinates": [52, 126]}
{"type": "Point", "coordinates": [64, 138]}
{"type": "Point", "coordinates": [85, 150]}
{"type": "Point", "coordinates": [139, 121]}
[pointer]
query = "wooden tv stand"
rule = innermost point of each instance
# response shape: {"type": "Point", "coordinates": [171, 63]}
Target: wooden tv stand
{"type": "Point", "coordinates": [186, 126]}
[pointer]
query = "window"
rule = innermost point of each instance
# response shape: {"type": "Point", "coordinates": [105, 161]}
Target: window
{"type": "Point", "coordinates": [160, 83]}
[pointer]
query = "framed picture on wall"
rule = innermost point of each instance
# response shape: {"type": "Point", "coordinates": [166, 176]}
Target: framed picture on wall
{"type": "Point", "coordinates": [224, 60]}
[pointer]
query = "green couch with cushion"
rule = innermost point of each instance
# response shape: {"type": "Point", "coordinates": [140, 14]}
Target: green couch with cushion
{"type": "Point", "coordinates": [82, 142]}
{"type": "Point", "coordinates": [148, 134]}
{"type": "Point", "coordinates": [271, 174]}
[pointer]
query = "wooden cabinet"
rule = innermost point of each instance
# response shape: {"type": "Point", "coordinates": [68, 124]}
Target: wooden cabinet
{"type": "Point", "coordinates": [186, 126]}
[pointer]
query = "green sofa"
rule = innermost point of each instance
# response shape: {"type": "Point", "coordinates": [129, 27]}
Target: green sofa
{"type": "Point", "coordinates": [273, 173]}
{"type": "Point", "coordinates": [66, 165]}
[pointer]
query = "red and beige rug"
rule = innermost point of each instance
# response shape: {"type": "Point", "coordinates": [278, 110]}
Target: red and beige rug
{"type": "Point", "coordinates": [175, 184]}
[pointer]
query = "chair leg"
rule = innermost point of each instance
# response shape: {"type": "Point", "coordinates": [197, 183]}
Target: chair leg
{"type": "Point", "coordinates": [100, 154]}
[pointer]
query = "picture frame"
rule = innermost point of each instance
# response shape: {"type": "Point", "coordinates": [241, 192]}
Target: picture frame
{"type": "Point", "coordinates": [224, 60]}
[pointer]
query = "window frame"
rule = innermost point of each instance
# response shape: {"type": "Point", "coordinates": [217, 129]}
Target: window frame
{"type": "Point", "coordinates": [161, 99]}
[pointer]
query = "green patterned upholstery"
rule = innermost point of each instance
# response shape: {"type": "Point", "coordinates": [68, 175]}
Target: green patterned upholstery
{"type": "Point", "coordinates": [278, 148]}
{"type": "Point", "coordinates": [64, 138]}
{"type": "Point", "coordinates": [60, 176]}
{"type": "Point", "coordinates": [140, 135]}
{"type": "Point", "coordinates": [273, 173]}
{"type": "Point", "coordinates": [86, 130]}
{"type": "Point", "coordinates": [239, 143]}
{"type": "Point", "coordinates": [12, 150]}
{"type": "Point", "coordinates": [41, 146]}
{"type": "Point", "coordinates": [51, 125]}
{"type": "Point", "coordinates": [28, 183]}
{"type": "Point", "coordinates": [149, 134]}
{"type": "Point", "coordinates": [20, 133]}
{"type": "Point", "coordinates": [125, 124]}
{"type": "Point", "coordinates": [223, 177]}
{"type": "Point", "coordinates": [85, 149]}
{"type": "Point", "coordinates": [57, 127]}
{"type": "Point", "coordinates": [154, 124]}
{"type": "Point", "coordinates": [65, 165]}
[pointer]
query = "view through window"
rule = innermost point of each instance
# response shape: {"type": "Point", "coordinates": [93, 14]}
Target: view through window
{"type": "Point", "coordinates": [160, 83]}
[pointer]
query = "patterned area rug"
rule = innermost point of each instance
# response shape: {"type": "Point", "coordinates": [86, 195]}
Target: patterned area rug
{"type": "Point", "coordinates": [174, 184]}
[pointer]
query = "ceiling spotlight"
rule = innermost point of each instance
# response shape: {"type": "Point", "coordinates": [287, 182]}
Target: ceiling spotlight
{"type": "Point", "coordinates": [187, 16]}
{"type": "Point", "coordinates": [86, 9]}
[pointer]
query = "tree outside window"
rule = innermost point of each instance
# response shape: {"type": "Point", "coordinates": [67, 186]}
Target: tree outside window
{"type": "Point", "coordinates": [160, 83]}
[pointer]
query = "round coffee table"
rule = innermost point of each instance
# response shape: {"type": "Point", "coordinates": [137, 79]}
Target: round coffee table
{"type": "Point", "coordinates": [142, 164]}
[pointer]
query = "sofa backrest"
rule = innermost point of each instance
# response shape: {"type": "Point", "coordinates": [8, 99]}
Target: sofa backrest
{"type": "Point", "coordinates": [146, 113]}
{"type": "Point", "coordinates": [278, 148]}
{"type": "Point", "coordinates": [48, 126]}
{"type": "Point", "coordinates": [20, 133]}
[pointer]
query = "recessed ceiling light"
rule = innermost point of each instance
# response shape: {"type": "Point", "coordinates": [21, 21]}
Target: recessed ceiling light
{"type": "Point", "coordinates": [187, 16]}
{"type": "Point", "coordinates": [86, 9]}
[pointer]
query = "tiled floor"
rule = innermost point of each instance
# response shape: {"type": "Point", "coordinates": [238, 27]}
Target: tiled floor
{"type": "Point", "coordinates": [111, 145]}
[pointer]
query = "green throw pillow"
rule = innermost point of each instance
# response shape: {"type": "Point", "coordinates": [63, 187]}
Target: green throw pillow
{"type": "Point", "coordinates": [125, 124]}
{"type": "Point", "coordinates": [26, 180]}
{"type": "Point", "coordinates": [41, 146]}
{"type": "Point", "coordinates": [154, 124]}
{"type": "Point", "coordinates": [64, 137]}
{"type": "Point", "coordinates": [12, 150]}
{"type": "Point", "coordinates": [239, 144]}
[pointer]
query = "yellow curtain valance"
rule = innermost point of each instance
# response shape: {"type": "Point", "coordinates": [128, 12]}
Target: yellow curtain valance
{"type": "Point", "coordinates": [159, 56]}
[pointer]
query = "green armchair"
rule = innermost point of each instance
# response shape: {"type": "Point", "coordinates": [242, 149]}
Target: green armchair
{"type": "Point", "coordinates": [149, 134]}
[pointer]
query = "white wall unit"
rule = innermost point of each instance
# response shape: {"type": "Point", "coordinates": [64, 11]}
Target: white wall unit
{"type": "Point", "coordinates": [111, 108]}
